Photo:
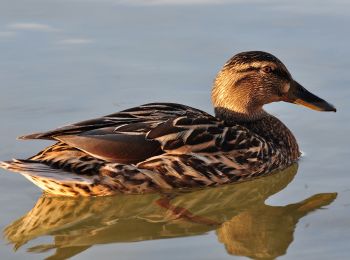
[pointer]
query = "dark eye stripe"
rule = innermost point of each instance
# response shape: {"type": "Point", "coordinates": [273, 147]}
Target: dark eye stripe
{"type": "Point", "coordinates": [249, 69]}
{"type": "Point", "coordinates": [278, 72]}
{"type": "Point", "coordinates": [246, 78]}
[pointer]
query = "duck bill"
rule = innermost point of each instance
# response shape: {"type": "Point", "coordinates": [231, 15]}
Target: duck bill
{"type": "Point", "coordinates": [297, 94]}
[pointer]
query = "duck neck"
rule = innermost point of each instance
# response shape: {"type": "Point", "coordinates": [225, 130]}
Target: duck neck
{"type": "Point", "coordinates": [234, 115]}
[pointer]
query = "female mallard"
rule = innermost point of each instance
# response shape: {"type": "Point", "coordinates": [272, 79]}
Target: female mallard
{"type": "Point", "coordinates": [161, 146]}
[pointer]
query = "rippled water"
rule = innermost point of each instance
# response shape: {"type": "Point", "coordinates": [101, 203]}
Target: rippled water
{"type": "Point", "coordinates": [64, 61]}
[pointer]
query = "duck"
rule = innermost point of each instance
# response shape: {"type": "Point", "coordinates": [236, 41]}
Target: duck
{"type": "Point", "coordinates": [162, 147]}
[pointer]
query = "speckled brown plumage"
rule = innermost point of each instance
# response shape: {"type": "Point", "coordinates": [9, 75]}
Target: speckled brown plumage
{"type": "Point", "coordinates": [163, 146]}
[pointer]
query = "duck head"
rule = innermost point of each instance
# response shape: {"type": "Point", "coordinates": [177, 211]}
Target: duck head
{"type": "Point", "coordinates": [249, 80]}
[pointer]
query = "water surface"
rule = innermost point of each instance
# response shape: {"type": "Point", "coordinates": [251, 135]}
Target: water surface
{"type": "Point", "coordinates": [64, 61]}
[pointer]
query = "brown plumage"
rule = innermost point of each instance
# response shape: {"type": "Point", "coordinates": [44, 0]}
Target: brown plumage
{"type": "Point", "coordinates": [161, 146]}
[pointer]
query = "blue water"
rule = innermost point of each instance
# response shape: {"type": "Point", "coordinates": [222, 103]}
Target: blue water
{"type": "Point", "coordinates": [65, 61]}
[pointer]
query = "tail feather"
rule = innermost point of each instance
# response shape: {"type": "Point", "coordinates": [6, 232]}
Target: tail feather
{"type": "Point", "coordinates": [40, 170]}
{"type": "Point", "coordinates": [34, 136]}
{"type": "Point", "coordinates": [51, 180]}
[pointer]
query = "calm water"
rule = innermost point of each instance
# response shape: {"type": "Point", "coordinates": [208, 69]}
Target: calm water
{"type": "Point", "coordinates": [64, 61]}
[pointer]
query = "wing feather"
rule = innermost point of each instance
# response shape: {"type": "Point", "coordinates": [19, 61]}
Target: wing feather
{"type": "Point", "coordinates": [149, 114]}
{"type": "Point", "coordinates": [122, 136]}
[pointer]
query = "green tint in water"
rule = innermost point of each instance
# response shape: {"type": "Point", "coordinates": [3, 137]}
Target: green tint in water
{"type": "Point", "coordinates": [238, 213]}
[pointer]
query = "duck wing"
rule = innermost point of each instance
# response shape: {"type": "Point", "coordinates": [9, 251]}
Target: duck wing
{"type": "Point", "coordinates": [147, 115]}
{"type": "Point", "coordinates": [135, 134]}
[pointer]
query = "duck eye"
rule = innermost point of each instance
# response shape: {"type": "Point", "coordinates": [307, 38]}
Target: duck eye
{"type": "Point", "coordinates": [267, 69]}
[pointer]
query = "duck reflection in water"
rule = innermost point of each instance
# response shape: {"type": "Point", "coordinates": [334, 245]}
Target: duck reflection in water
{"type": "Point", "coordinates": [243, 222]}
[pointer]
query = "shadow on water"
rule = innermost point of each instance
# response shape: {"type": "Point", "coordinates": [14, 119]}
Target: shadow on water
{"type": "Point", "coordinates": [243, 222]}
